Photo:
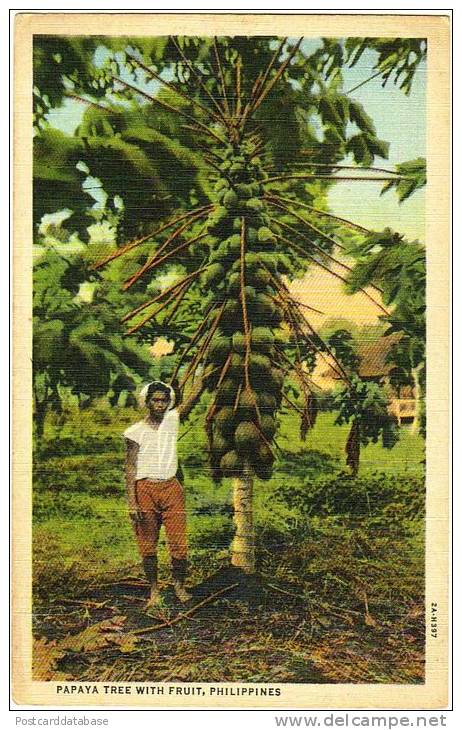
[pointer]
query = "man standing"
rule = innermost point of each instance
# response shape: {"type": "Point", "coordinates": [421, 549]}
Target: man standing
{"type": "Point", "coordinates": [155, 496]}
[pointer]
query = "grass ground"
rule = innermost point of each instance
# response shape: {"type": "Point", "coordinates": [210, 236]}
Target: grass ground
{"type": "Point", "coordinates": [341, 565]}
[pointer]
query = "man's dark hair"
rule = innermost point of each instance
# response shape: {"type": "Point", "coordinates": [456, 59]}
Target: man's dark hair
{"type": "Point", "coordinates": [159, 387]}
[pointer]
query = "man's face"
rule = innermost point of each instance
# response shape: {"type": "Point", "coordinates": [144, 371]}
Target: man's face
{"type": "Point", "coordinates": [158, 403]}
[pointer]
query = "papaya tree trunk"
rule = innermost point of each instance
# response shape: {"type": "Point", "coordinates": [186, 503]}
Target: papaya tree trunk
{"type": "Point", "coordinates": [414, 430]}
{"type": "Point", "coordinates": [243, 549]}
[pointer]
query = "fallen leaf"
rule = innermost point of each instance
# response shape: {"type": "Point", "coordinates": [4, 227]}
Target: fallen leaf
{"type": "Point", "coordinates": [99, 636]}
{"type": "Point", "coordinates": [45, 656]}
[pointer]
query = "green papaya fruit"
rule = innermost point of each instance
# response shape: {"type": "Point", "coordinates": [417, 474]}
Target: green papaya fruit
{"type": "Point", "coordinates": [265, 235]}
{"type": "Point", "coordinates": [251, 234]}
{"type": "Point", "coordinates": [214, 274]}
{"type": "Point", "coordinates": [237, 167]}
{"type": "Point", "coordinates": [221, 184]}
{"type": "Point", "coordinates": [236, 367]}
{"type": "Point", "coordinates": [268, 426]}
{"type": "Point", "coordinates": [274, 381]}
{"type": "Point", "coordinates": [224, 421]}
{"type": "Point", "coordinates": [227, 392]}
{"type": "Point", "coordinates": [254, 204]}
{"type": "Point", "coordinates": [266, 402]}
{"type": "Point", "coordinates": [264, 308]}
{"type": "Point", "coordinates": [247, 438]}
{"type": "Point", "coordinates": [230, 200]}
{"type": "Point", "coordinates": [268, 260]}
{"type": "Point", "coordinates": [234, 284]}
{"type": "Point", "coordinates": [244, 190]}
{"type": "Point", "coordinates": [258, 278]}
{"type": "Point", "coordinates": [218, 349]}
{"type": "Point", "coordinates": [259, 365]}
{"type": "Point", "coordinates": [220, 445]}
{"type": "Point", "coordinates": [238, 342]}
{"type": "Point", "coordinates": [250, 294]}
{"type": "Point", "coordinates": [264, 455]}
{"type": "Point", "coordinates": [246, 405]}
{"type": "Point", "coordinates": [231, 464]}
{"type": "Point", "coordinates": [252, 261]}
{"type": "Point", "coordinates": [262, 339]}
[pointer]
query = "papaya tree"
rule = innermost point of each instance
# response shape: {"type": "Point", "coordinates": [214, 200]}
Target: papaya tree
{"type": "Point", "coordinates": [231, 251]}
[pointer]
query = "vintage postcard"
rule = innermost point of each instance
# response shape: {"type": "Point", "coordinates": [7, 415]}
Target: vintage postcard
{"type": "Point", "coordinates": [231, 252]}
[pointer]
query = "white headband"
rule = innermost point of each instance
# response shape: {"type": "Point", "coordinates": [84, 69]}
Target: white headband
{"type": "Point", "coordinates": [144, 392]}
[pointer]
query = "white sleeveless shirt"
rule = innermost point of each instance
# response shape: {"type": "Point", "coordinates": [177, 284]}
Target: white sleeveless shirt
{"type": "Point", "coordinates": [157, 454]}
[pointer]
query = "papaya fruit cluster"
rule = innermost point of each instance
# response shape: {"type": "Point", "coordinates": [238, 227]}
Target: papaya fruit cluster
{"type": "Point", "coordinates": [247, 382]}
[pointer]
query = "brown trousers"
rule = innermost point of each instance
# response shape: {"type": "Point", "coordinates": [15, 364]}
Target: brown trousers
{"type": "Point", "coordinates": [161, 503]}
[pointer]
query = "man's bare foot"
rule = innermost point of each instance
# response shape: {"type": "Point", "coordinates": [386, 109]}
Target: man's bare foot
{"type": "Point", "coordinates": [155, 598]}
{"type": "Point", "coordinates": [181, 593]}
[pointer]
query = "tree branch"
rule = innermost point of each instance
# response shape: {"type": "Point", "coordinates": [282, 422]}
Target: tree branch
{"type": "Point", "coordinates": [156, 261]}
{"type": "Point", "coordinates": [198, 77]}
{"type": "Point", "coordinates": [266, 90]}
{"type": "Point", "coordinates": [348, 223]}
{"type": "Point", "coordinates": [174, 287]}
{"type": "Point", "coordinates": [305, 222]}
{"type": "Point", "coordinates": [168, 107]}
{"type": "Point", "coordinates": [333, 177]}
{"type": "Point", "coordinates": [226, 108]}
{"type": "Point", "coordinates": [128, 247]}
{"type": "Point", "coordinates": [170, 86]}
{"type": "Point", "coordinates": [326, 268]}
{"type": "Point", "coordinates": [324, 253]}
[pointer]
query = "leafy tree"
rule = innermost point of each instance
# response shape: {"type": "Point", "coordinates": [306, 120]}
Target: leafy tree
{"type": "Point", "coordinates": [412, 176]}
{"type": "Point", "coordinates": [388, 260]}
{"type": "Point", "coordinates": [77, 345]}
{"type": "Point", "coordinates": [241, 336]}
{"type": "Point", "coordinates": [397, 59]}
{"type": "Point", "coordinates": [361, 403]}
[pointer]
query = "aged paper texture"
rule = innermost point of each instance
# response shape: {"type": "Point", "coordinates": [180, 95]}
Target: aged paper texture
{"type": "Point", "coordinates": [231, 243]}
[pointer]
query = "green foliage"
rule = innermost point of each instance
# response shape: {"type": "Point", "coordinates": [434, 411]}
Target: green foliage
{"type": "Point", "coordinates": [125, 151]}
{"type": "Point", "coordinates": [77, 345]}
{"type": "Point", "coordinates": [412, 176]}
{"type": "Point", "coordinates": [58, 184]}
{"type": "Point", "coordinates": [341, 343]}
{"type": "Point", "coordinates": [364, 147]}
{"type": "Point", "coordinates": [398, 58]}
{"type": "Point", "coordinates": [383, 499]}
{"type": "Point", "coordinates": [398, 266]}
{"type": "Point", "coordinates": [365, 405]}
{"type": "Point", "coordinates": [60, 61]}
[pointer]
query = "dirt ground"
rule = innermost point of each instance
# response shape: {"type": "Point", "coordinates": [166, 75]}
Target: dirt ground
{"type": "Point", "coordinates": [234, 629]}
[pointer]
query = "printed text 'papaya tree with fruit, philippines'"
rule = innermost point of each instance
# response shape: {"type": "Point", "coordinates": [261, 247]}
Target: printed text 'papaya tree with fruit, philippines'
{"type": "Point", "coordinates": [240, 248]}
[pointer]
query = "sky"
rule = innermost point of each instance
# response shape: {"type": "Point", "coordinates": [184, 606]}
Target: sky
{"type": "Point", "coordinates": [401, 121]}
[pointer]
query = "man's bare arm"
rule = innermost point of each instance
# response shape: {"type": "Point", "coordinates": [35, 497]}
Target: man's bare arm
{"type": "Point", "coordinates": [131, 458]}
{"type": "Point", "coordinates": [186, 406]}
